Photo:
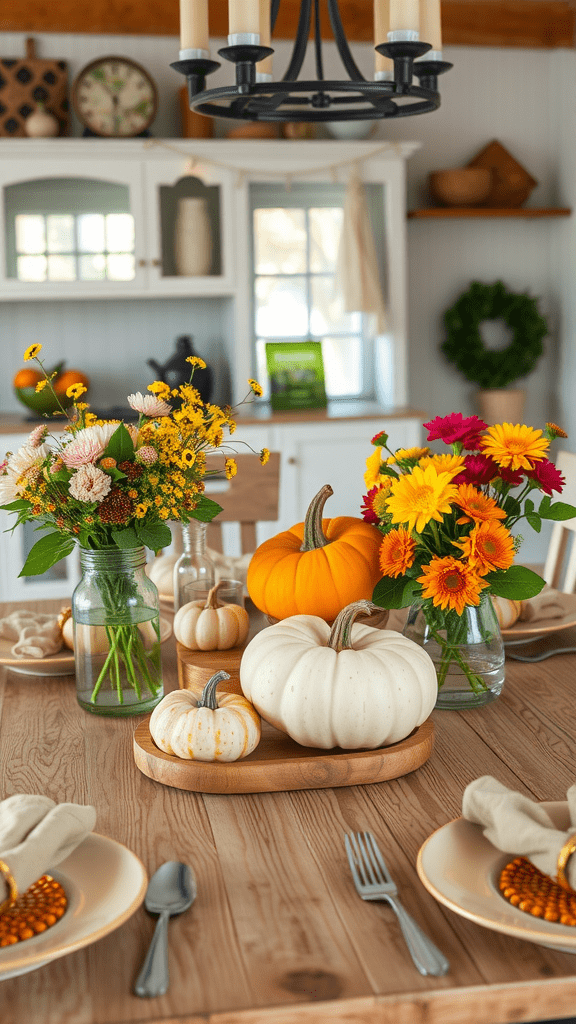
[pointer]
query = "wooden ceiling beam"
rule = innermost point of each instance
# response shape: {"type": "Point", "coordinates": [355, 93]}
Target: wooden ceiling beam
{"type": "Point", "coordinates": [516, 23]}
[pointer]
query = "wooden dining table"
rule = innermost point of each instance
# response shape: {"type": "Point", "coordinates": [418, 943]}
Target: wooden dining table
{"type": "Point", "coordinates": [277, 933]}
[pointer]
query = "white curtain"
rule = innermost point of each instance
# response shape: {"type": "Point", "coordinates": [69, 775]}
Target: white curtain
{"type": "Point", "coordinates": [357, 271]}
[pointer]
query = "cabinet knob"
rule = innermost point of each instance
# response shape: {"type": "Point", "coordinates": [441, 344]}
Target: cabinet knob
{"type": "Point", "coordinates": [156, 263]}
{"type": "Point", "coordinates": [292, 461]}
{"type": "Point", "coordinates": [142, 263]}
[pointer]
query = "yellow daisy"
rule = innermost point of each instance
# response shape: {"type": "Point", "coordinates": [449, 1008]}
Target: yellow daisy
{"type": "Point", "coordinates": [408, 453]}
{"type": "Point", "coordinates": [75, 390]}
{"type": "Point", "coordinates": [451, 583]}
{"type": "Point", "coordinates": [373, 463]}
{"type": "Point", "coordinates": [419, 496]}
{"type": "Point", "coordinates": [230, 468]}
{"type": "Point", "coordinates": [396, 552]}
{"type": "Point", "coordinates": [444, 463]}
{"type": "Point", "coordinates": [32, 351]}
{"type": "Point", "coordinates": [514, 446]}
{"type": "Point", "coordinates": [256, 388]}
{"type": "Point", "coordinates": [264, 456]}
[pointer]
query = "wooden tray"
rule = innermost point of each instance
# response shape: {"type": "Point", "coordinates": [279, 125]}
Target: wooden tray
{"type": "Point", "coordinates": [279, 764]}
{"type": "Point", "coordinates": [26, 81]}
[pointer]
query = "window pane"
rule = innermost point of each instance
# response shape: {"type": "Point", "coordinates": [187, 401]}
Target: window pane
{"type": "Point", "coordinates": [327, 313]}
{"type": "Point", "coordinates": [120, 268]}
{"type": "Point", "coordinates": [120, 233]}
{"type": "Point", "coordinates": [61, 268]}
{"type": "Point", "coordinates": [342, 362]}
{"type": "Point", "coordinates": [92, 268]}
{"type": "Point", "coordinates": [31, 268]}
{"type": "Point", "coordinates": [279, 241]}
{"type": "Point", "coordinates": [30, 234]}
{"type": "Point", "coordinates": [325, 229]}
{"type": "Point", "coordinates": [281, 309]}
{"type": "Point", "coordinates": [91, 232]}
{"type": "Point", "coordinates": [60, 232]}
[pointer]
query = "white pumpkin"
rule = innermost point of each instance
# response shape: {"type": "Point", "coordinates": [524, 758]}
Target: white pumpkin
{"type": "Point", "coordinates": [211, 625]}
{"type": "Point", "coordinates": [210, 727]}
{"type": "Point", "coordinates": [161, 572]}
{"type": "Point", "coordinates": [352, 687]}
{"type": "Point", "coordinates": [507, 611]}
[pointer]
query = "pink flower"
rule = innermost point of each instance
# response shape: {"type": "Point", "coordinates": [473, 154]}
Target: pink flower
{"type": "Point", "coordinates": [89, 484]}
{"type": "Point", "coordinates": [147, 455]}
{"type": "Point", "coordinates": [547, 477]}
{"type": "Point", "coordinates": [514, 477]}
{"type": "Point", "coordinates": [456, 428]}
{"type": "Point", "coordinates": [17, 466]}
{"type": "Point", "coordinates": [368, 513]}
{"type": "Point", "coordinates": [37, 436]}
{"type": "Point", "coordinates": [87, 445]}
{"type": "Point", "coordinates": [478, 470]}
{"type": "Point", "coordinates": [149, 405]}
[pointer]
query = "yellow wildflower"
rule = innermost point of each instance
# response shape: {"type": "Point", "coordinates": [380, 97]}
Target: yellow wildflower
{"type": "Point", "coordinates": [41, 385]}
{"type": "Point", "coordinates": [32, 351]}
{"type": "Point", "coordinates": [230, 468]}
{"type": "Point", "coordinates": [264, 456]}
{"type": "Point", "coordinates": [196, 361]}
{"type": "Point", "coordinates": [75, 390]}
{"type": "Point", "coordinates": [256, 388]}
{"type": "Point", "coordinates": [140, 511]}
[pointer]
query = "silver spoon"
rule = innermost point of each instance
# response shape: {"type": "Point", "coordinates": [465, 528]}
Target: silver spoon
{"type": "Point", "coordinates": [171, 890]}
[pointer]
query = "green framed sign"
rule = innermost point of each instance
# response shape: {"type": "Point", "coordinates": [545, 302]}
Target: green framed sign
{"type": "Point", "coordinates": [296, 372]}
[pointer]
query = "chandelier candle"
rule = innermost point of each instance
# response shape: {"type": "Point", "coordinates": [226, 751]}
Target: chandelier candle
{"type": "Point", "coordinates": [194, 37]}
{"type": "Point", "coordinates": [431, 28]}
{"type": "Point", "coordinates": [383, 66]}
{"type": "Point", "coordinates": [264, 67]}
{"type": "Point", "coordinates": [243, 22]}
{"type": "Point", "coordinates": [404, 21]}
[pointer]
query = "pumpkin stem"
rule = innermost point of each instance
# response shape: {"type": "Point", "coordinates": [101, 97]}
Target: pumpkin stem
{"type": "Point", "coordinates": [212, 599]}
{"type": "Point", "coordinates": [208, 698]}
{"type": "Point", "coordinates": [313, 533]}
{"type": "Point", "coordinates": [340, 638]}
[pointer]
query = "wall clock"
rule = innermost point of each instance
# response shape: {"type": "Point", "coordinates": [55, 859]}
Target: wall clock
{"type": "Point", "coordinates": [115, 97]}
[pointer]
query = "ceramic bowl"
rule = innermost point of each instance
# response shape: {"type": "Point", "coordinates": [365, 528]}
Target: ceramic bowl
{"type": "Point", "coordinates": [460, 186]}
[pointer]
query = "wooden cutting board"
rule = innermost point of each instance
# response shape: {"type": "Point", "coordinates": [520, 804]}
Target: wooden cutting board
{"type": "Point", "coordinates": [27, 81]}
{"type": "Point", "coordinates": [279, 764]}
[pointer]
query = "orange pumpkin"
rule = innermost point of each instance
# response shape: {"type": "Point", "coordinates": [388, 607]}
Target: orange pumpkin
{"type": "Point", "coordinates": [68, 377]}
{"type": "Point", "coordinates": [27, 378]}
{"type": "Point", "coordinates": [316, 567]}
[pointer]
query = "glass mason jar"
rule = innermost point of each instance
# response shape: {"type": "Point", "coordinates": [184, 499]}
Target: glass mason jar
{"type": "Point", "coordinates": [194, 563]}
{"type": "Point", "coordinates": [115, 609]}
{"type": "Point", "coordinates": [468, 652]}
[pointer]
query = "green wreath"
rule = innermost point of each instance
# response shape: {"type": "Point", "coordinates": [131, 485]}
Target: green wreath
{"type": "Point", "coordinates": [464, 345]}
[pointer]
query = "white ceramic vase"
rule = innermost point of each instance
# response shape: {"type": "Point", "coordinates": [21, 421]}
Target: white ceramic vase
{"type": "Point", "coordinates": [193, 238]}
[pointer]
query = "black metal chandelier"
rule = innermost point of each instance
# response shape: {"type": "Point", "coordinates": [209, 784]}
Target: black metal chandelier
{"type": "Point", "coordinates": [407, 64]}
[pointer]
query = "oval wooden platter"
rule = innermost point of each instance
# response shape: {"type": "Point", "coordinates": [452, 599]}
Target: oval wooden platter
{"type": "Point", "coordinates": [279, 764]}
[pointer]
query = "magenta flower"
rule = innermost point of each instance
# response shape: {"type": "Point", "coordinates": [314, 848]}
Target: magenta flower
{"type": "Point", "coordinates": [514, 477]}
{"type": "Point", "coordinates": [368, 513]}
{"type": "Point", "coordinates": [456, 428]}
{"type": "Point", "coordinates": [478, 470]}
{"type": "Point", "coordinates": [547, 477]}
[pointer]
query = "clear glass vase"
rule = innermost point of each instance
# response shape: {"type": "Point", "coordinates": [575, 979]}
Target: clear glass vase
{"type": "Point", "coordinates": [115, 609]}
{"type": "Point", "coordinates": [467, 651]}
{"type": "Point", "coordinates": [193, 564]}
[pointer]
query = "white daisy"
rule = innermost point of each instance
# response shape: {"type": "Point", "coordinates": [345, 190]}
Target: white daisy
{"type": "Point", "coordinates": [149, 405]}
{"type": "Point", "coordinates": [89, 484]}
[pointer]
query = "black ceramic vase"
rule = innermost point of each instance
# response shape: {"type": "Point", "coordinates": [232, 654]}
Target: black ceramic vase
{"type": "Point", "coordinates": [176, 371]}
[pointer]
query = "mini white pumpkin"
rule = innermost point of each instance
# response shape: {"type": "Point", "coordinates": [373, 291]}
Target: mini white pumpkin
{"type": "Point", "coordinates": [507, 611]}
{"type": "Point", "coordinates": [352, 686]}
{"type": "Point", "coordinates": [212, 727]}
{"type": "Point", "coordinates": [211, 625]}
{"type": "Point", "coordinates": [161, 572]}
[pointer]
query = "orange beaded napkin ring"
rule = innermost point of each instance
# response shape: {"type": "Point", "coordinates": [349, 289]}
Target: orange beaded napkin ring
{"type": "Point", "coordinates": [563, 857]}
{"type": "Point", "coordinates": [12, 887]}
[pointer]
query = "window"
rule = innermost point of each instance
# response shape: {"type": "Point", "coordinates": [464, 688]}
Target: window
{"type": "Point", "coordinates": [295, 245]}
{"type": "Point", "coordinates": [69, 230]}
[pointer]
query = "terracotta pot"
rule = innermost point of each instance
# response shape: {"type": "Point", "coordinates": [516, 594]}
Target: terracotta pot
{"type": "Point", "coordinates": [501, 405]}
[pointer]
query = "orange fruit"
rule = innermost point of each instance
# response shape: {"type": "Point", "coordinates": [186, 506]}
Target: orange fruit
{"type": "Point", "coordinates": [68, 377]}
{"type": "Point", "coordinates": [27, 378]}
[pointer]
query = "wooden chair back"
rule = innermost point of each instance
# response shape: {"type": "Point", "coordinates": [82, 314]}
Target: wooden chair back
{"type": "Point", "coordinates": [252, 496]}
{"type": "Point", "coordinates": [566, 463]}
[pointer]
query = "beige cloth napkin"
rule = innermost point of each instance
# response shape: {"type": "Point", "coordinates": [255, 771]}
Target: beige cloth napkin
{"type": "Point", "coordinates": [36, 834]}
{"type": "Point", "coordinates": [37, 634]}
{"type": "Point", "coordinates": [547, 604]}
{"type": "Point", "coordinates": [518, 825]}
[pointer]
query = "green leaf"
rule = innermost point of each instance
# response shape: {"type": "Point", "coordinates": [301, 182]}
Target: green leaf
{"type": "Point", "coordinates": [528, 505]}
{"type": "Point", "coordinates": [206, 510]}
{"type": "Point", "coordinates": [155, 536]}
{"type": "Point", "coordinates": [125, 539]}
{"type": "Point", "coordinates": [115, 473]}
{"type": "Point", "coordinates": [16, 506]}
{"type": "Point", "coordinates": [512, 507]}
{"type": "Point", "coordinates": [517, 583]}
{"type": "Point", "coordinates": [535, 521]}
{"type": "Point", "coordinates": [62, 476]}
{"type": "Point", "coordinates": [120, 446]}
{"type": "Point", "coordinates": [51, 548]}
{"type": "Point", "coordinates": [559, 511]}
{"type": "Point", "coordinates": [395, 593]}
{"type": "Point", "coordinates": [545, 505]}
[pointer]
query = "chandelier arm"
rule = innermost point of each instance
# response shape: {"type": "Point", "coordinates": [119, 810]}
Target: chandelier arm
{"type": "Point", "coordinates": [346, 57]}
{"type": "Point", "coordinates": [318, 42]}
{"type": "Point", "coordinates": [274, 8]}
{"type": "Point", "coordinates": [300, 42]}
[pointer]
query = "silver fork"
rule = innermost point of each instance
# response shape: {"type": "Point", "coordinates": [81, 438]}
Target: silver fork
{"type": "Point", "coordinates": [374, 882]}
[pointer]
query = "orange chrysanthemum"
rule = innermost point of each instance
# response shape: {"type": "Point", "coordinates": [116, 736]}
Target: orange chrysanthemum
{"type": "Point", "coordinates": [477, 507]}
{"type": "Point", "coordinates": [451, 584]}
{"type": "Point", "coordinates": [448, 463]}
{"type": "Point", "coordinates": [420, 496]}
{"type": "Point", "coordinates": [396, 552]}
{"type": "Point", "coordinates": [488, 547]}
{"type": "Point", "coordinates": [514, 446]}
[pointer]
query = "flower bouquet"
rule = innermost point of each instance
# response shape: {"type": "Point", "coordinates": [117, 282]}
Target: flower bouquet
{"type": "Point", "coordinates": [110, 488]}
{"type": "Point", "coordinates": [447, 545]}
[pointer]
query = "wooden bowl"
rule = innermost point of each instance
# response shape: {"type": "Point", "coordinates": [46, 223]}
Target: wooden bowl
{"type": "Point", "coordinates": [461, 186]}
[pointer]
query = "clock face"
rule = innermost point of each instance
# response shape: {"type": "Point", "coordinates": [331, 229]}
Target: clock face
{"type": "Point", "coordinates": [115, 97]}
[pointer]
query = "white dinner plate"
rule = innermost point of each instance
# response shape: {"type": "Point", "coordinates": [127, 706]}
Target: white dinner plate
{"type": "Point", "coordinates": [533, 629]}
{"type": "Point", "coordinates": [460, 868]}
{"type": "Point", "coordinates": [105, 884]}
{"type": "Point", "coordinates": [60, 664]}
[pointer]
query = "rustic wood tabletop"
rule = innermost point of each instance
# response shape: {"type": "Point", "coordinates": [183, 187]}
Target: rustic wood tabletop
{"type": "Point", "coordinates": [277, 934]}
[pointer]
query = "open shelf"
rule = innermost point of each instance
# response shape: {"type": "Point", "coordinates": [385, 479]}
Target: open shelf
{"type": "Point", "coordinates": [485, 211]}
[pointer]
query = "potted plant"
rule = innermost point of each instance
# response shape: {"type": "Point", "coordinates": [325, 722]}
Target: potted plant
{"type": "Point", "coordinates": [493, 370]}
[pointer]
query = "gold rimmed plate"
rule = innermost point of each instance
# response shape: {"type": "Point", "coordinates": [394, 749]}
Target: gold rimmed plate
{"type": "Point", "coordinates": [60, 664]}
{"type": "Point", "coordinates": [461, 869]}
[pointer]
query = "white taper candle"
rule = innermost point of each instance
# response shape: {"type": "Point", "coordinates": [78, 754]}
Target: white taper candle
{"type": "Point", "coordinates": [194, 25]}
{"type": "Point", "coordinates": [404, 19]}
{"type": "Point", "coordinates": [383, 66]}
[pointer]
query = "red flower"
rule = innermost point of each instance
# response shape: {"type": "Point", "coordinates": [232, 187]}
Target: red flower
{"type": "Point", "coordinates": [514, 477]}
{"type": "Point", "coordinates": [368, 513]}
{"type": "Point", "coordinates": [547, 477]}
{"type": "Point", "coordinates": [454, 428]}
{"type": "Point", "coordinates": [380, 440]}
{"type": "Point", "coordinates": [478, 470]}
